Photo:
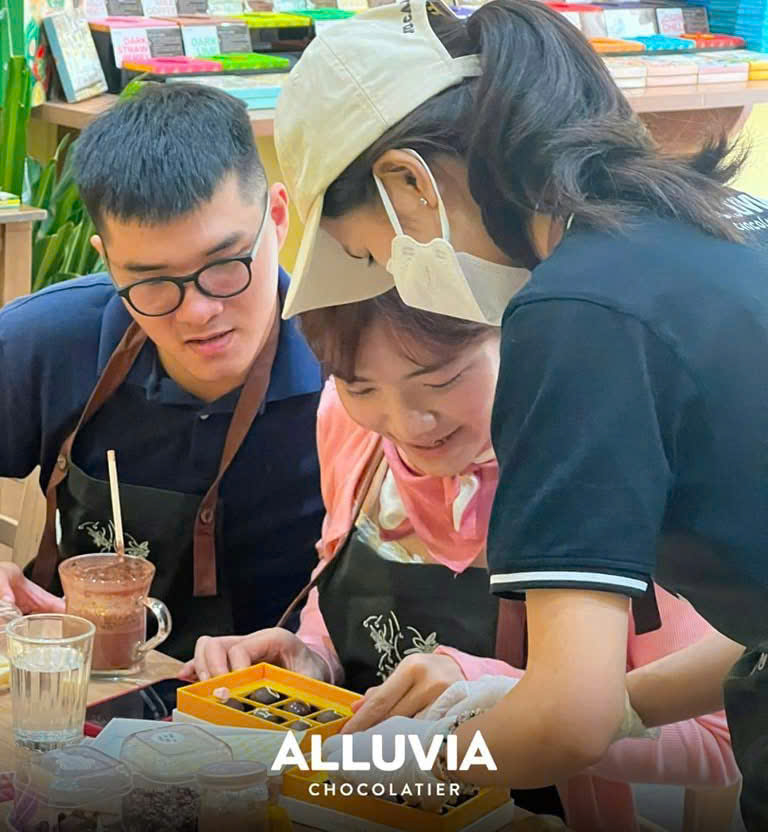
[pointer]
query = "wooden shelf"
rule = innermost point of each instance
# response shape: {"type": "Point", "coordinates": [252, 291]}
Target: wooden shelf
{"type": "Point", "coordinates": [82, 113]}
{"type": "Point", "coordinates": [700, 97]}
{"type": "Point", "coordinates": [649, 100]}
{"type": "Point", "coordinates": [678, 117]}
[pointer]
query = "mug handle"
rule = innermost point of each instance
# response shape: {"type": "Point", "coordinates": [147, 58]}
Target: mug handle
{"type": "Point", "coordinates": [164, 624]}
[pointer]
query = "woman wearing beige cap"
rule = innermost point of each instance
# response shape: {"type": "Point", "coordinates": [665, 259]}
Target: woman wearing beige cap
{"type": "Point", "coordinates": [496, 172]}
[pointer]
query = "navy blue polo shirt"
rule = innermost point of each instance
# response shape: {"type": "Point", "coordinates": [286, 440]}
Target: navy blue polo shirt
{"type": "Point", "coordinates": [53, 347]}
{"type": "Point", "coordinates": [631, 420]}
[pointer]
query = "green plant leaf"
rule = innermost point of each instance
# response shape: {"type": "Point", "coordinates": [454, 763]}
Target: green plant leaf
{"type": "Point", "coordinates": [95, 263]}
{"type": "Point", "coordinates": [63, 146]}
{"type": "Point", "coordinates": [38, 251]}
{"type": "Point", "coordinates": [65, 163]}
{"type": "Point", "coordinates": [134, 86]}
{"type": "Point", "coordinates": [42, 195]}
{"type": "Point", "coordinates": [51, 256]}
{"type": "Point", "coordinates": [13, 135]}
{"type": "Point", "coordinates": [32, 172]}
{"type": "Point", "coordinates": [77, 247]}
{"type": "Point", "coordinates": [65, 208]}
{"type": "Point", "coordinates": [87, 230]}
{"type": "Point", "coordinates": [69, 253]}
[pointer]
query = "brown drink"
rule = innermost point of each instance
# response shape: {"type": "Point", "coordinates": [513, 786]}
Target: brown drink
{"type": "Point", "coordinates": [112, 592]}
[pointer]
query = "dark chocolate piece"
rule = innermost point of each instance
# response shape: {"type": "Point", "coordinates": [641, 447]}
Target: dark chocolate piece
{"type": "Point", "coordinates": [457, 800]}
{"type": "Point", "coordinates": [296, 706]}
{"type": "Point", "coordinates": [327, 716]}
{"type": "Point", "coordinates": [300, 725]}
{"type": "Point", "coordinates": [265, 696]}
{"type": "Point", "coordinates": [263, 713]}
{"type": "Point", "coordinates": [237, 705]}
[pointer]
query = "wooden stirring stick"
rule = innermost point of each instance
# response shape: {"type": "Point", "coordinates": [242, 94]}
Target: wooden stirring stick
{"type": "Point", "coordinates": [116, 514]}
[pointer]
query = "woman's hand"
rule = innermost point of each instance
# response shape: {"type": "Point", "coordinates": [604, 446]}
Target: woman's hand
{"type": "Point", "coordinates": [479, 695]}
{"type": "Point", "coordinates": [418, 785]}
{"type": "Point", "coordinates": [417, 681]}
{"type": "Point", "coordinates": [26, 595]}
{"type": "Point", "coordinates": [214, 656]}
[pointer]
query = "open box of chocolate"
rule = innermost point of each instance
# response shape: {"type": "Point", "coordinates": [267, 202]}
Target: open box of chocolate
{"type": "Point", "coordinates": [269, 697]}
{"type": "Point", "coordinates": [305, 798]}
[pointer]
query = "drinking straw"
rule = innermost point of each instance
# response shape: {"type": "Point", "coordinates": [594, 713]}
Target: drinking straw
{"type": "Point", "coordinates": [116, 514]}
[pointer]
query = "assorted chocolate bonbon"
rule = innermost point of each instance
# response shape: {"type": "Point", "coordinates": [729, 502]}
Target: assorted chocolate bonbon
{"type": "Point", "coordinates": [265, 696]}
{"type": "Point", "coordinates": [327, 716]}
{"type": "Point", "coordinates": [297, 707]}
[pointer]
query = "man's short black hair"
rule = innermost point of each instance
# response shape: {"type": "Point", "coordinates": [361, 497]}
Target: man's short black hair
{"type": "Point", "coordinates": [163, 152]}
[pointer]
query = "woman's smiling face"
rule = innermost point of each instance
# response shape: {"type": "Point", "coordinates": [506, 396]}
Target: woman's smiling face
{"type": "Point", "coordinates": [433, 402]}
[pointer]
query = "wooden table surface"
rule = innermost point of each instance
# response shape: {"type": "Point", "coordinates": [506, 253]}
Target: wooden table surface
{"type": "Point", "coordinates": [157, 667]}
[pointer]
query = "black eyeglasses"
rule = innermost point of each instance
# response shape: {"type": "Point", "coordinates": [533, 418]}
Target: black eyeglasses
{"type": "Point", "coordinates": [157, 296]}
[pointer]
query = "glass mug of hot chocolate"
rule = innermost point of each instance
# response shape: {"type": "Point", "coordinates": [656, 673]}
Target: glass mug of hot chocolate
{"type": "Point", "coordinates": [112, 593]}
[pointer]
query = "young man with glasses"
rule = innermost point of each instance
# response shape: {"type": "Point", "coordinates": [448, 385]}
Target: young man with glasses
{"type": "Point", "coordinates": [177, 359]}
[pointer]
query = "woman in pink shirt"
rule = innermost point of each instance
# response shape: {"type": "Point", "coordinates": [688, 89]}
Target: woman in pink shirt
{"type": "Point", "coordinates": [401, 608]}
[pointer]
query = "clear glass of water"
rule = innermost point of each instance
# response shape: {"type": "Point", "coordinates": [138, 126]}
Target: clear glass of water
{"type": "Point", "coordinates": [50, 658]}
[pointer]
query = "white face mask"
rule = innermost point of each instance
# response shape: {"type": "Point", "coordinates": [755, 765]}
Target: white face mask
{"type": "Point", "coordinates": [434, 277]}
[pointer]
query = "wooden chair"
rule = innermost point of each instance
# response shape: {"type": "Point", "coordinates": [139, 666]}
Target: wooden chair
{"type": "Point", "coordinates": [22, 532]}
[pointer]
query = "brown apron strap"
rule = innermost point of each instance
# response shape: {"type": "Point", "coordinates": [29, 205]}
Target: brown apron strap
{"type": "Point", "coordinates": [118, 367]}
{"type": "Point", "coordinates": [374, 463]}
{"type": "Point", "coordinates": [248, 406]}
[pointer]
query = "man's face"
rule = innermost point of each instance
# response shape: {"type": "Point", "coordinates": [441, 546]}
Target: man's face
{"type": "Point", "coordinates": [208, 344]}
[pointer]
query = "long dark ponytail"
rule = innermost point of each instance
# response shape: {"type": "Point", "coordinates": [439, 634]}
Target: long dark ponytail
{"type": "Point", "coordinates": [545, 129]}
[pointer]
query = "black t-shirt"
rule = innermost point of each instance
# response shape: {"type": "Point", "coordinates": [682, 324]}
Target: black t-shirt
{"type": "Point", "coordinates": [631, 420]}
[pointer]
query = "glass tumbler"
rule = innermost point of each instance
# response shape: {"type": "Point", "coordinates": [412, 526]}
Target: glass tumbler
{"type": "Point", "coordinates": [50, 658]}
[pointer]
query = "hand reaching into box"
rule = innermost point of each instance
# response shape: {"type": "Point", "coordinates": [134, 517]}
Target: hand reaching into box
{"type": "Point", "coordinates": [215, 656]}
{"type": "Point", "coordinates": [414, 686]}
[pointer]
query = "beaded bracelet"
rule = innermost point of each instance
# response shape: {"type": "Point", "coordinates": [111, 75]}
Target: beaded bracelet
{"type": "Point", "coordinates": [441, 771]}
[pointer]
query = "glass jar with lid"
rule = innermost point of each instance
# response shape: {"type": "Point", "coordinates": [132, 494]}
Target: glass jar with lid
{"type": "Point", "coordinates": [233, 796]}
{"type": "Point", "coordinates": [164, 761]}
{"type": "Point", "coordinates": [76, 787]}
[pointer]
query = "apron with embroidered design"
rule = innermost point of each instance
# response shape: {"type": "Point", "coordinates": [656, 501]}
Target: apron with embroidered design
{"type": "Point", "coordinates": [175, 531]}
{"type": "Point", "coordinates": [380, 610]}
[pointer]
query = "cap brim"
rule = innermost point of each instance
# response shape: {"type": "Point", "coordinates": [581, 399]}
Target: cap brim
{"type": "Point", "coordinates": [325, 275]}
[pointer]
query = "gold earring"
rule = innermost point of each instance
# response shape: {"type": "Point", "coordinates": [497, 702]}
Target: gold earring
{"type": "Point", "coordinates": [423, 201]}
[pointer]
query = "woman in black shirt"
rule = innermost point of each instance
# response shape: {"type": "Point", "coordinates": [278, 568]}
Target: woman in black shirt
{"type": "Point", "coordinates": [494, 169]}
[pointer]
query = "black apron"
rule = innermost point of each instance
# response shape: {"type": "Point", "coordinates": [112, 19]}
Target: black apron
{"type": "Point", "coordinates": [391, 609]}
{"type": "Point", "coordinates": [746, 705]}
{"type": "Point", "coordinates": [175, 531]}
{"type": "Point", "coordinates": [378, 611]}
